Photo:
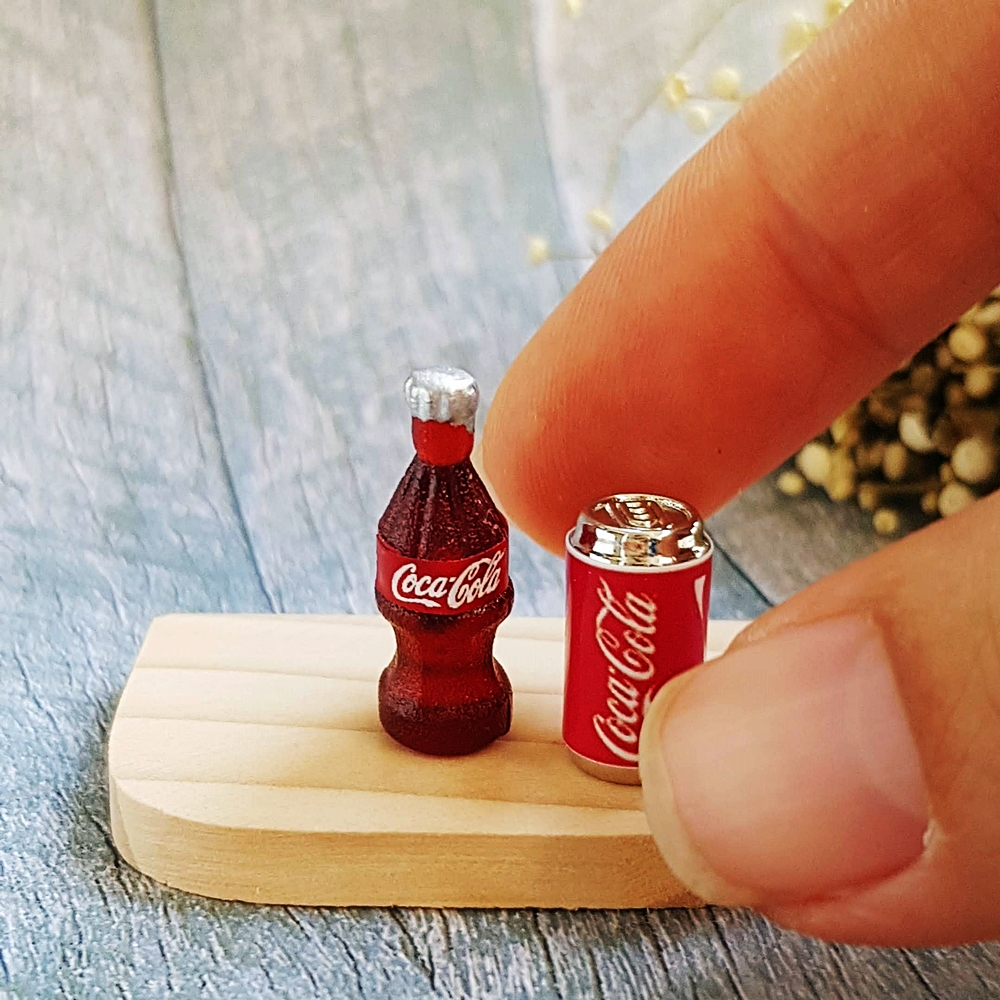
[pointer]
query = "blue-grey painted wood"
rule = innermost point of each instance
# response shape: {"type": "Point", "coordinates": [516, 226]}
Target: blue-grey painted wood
{"type": "Point", "coordinates": [228, 229]}
{"type": "Point", "coordinates": [115, 502]}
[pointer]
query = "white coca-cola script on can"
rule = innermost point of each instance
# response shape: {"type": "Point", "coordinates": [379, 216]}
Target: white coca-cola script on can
{"type": "Point", "coordinates": [638, 577]}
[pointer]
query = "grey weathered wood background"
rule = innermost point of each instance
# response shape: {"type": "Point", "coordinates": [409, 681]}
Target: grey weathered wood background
{"type": "Point", "coordinates": [227, 229]}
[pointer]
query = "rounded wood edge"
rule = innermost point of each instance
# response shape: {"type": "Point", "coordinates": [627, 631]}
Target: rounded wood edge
{"type": "Point", "coordinates": [324, 869]}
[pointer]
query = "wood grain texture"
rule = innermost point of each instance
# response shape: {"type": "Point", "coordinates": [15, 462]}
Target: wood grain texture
{"type": "Point", "coordinates": [263, 775]}
{"type": "Point", "coordinates": [351, 185]}
{"type": "Point", "coordinates": [114, 499]}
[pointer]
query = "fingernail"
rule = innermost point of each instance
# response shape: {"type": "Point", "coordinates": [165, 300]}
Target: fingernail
{"type": "Point", "coordinates": [785, 771]}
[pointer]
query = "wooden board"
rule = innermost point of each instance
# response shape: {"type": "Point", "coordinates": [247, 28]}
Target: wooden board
{"type": "Point", "coordinates": [246, 761]}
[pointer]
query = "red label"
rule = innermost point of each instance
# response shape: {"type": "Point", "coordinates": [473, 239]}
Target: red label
{"type": "Point", "coordinates": [627, 633]}
{"type": "Point", "coordinates": [441, 586]}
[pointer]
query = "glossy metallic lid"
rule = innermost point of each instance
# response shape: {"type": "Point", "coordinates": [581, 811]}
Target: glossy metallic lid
{"type": "Point", "coordinates": [445, 395]}
{"type": "Point", "coordinates": [640, 529]}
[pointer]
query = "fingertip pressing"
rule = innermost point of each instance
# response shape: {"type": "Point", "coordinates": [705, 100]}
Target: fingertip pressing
{"type": "Point", "coordinates": [511, 461]}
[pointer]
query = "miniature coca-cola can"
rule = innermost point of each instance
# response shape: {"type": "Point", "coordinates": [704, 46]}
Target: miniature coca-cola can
{"type": "Point", "coordinates": [638, 578]}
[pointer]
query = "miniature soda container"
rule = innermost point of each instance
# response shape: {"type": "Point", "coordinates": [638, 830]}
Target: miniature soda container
{"type": "Point", "coordinates": [442, 581]}
{"type": "Point", "coordinates": [638, 576]}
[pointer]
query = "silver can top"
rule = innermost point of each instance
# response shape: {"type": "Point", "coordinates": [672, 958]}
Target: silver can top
{"type": "Point", "coordinates": [640, 530]}
{"type": "Point", "coordinates": [445, 395]}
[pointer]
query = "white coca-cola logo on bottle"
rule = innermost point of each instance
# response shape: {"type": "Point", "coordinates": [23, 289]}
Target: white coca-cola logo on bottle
{"type": "Point", "coordinates": [478, 579]}
{"type": "Point", "coordinates": [624, 631]}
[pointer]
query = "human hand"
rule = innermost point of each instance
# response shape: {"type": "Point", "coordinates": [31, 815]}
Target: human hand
{"type": "Point", "coordinates": [840, 768]}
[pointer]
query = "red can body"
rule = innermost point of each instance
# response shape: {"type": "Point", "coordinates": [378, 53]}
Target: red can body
{"type": "Point", "coordinates": [629, 629]}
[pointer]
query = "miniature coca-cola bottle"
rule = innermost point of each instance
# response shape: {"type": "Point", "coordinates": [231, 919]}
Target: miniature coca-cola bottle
{"type": "Point", "coordinates": [442, 581]}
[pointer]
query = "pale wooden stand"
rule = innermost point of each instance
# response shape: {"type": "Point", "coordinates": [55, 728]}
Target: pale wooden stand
{"type": "Point", "coordinates": [246, 762]}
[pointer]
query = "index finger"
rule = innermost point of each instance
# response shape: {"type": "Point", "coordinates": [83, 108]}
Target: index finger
{"type": "Point", "coordinates": [840, 221]}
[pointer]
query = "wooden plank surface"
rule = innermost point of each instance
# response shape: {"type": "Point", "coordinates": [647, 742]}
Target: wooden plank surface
{"type": "Point", "coordinates": [114, 499]}
{"type": "Point", "coordinates": [263, 775]}
{"type": "Point", "coordinates": [251, 217]}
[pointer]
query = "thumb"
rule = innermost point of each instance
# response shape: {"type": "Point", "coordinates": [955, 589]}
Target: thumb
{"type": "Point", "coordinates": [839, 769]}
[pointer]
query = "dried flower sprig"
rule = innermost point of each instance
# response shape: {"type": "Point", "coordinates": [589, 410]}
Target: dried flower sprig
{"type": "Point", "coordinates": [724, 92]}
{"type": "Point", "coordinates": [926, 442]}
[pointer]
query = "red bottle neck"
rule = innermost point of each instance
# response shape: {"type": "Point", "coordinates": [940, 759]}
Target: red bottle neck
{"type": "Point", "coordinates": [441, 444]}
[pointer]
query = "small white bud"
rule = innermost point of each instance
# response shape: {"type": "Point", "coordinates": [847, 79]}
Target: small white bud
{"type": "Point", "coordinates": [675, 91]}
{"type": "Point", "coordinates": [798, 35]}
{"type": "Point", "coordinates": [600, 219]}
{"type": "Point", "coordinates": [967, 342]}
{"type": "Point", "coordinates": [814, 462]}
{"type": "Point", "coordinates": [980, 381]}
{"type": "Point", "coordinates": [573, 7]}
{"type": "Point", "coordinates": [868, 496]}
{"type": "Point", "coordinates": [726, 82]}
{"type": "Point", "coordinates": [987, 315]}
{"type": "Point", "coordinates": [791, 483]}
{"type": "Point", "coordinates": [538, 249]}
{"type": "Point", "coordinates": [698, 117]}
{"type": "Point", "coordinates": [832, 9]}
{"type": "Point", "coordinates": [974, 460]}
{"type": "Point", "coordinates": [914, 433]}
{"type": "Point", "coordinates": [846, 428]}
{"type": "Point", "coordinates": [897, 462]}
{"type": "Point", "coordinates": [955, 497]}
{"type": "Point", "coordinates": [886, 521]}
{"type": "Point", "coordinates": [840, 481]}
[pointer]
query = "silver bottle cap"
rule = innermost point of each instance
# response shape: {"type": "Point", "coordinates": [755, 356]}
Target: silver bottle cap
{"type": "Point", "coordinates": [640, 530]}
{"type": "Point", "coordinates": [445, 395]}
